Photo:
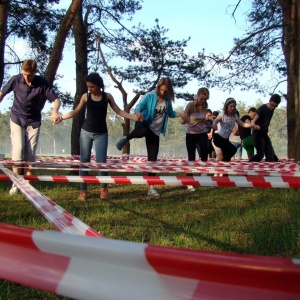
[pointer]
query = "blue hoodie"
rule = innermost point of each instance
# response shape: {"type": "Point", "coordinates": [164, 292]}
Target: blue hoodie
{"type": "Point", "coordinates": [147, 107]}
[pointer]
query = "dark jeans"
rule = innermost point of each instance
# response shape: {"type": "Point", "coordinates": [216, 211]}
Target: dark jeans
{"type": "Point", "coordinates": [228, 150]}
{"type": "Point", "coordinates": [263, 147]}
{"type": "Point", "coordinates": [152, 140]}
{"type": "Point", "coordinates": [192, 140]}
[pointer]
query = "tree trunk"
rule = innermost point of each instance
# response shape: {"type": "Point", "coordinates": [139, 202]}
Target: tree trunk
{"type": "Point", "coordinates": [60, 40]}
{"type": "Point", "coordinates": [291, 50]}
{"type": "Point", "coordinates": [126, 106]}
{"type": "Point", "coordinates": [126, 131]}
{"type": "Point", "coordinates": [80, 35]}
{"type": "Point", "coordinates": [4, 7]}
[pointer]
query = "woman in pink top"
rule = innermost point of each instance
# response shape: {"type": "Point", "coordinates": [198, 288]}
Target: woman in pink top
{"type": "Point", "coordinates": [196, 133]}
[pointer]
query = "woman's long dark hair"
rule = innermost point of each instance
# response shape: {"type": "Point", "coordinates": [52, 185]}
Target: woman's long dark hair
{"type": "Point", "coordinates": [227, 103]}
{"type": "Point", "coordinates": [96, 79]}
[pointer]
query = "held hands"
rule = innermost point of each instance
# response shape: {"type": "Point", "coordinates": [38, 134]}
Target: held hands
{"type": "Point", "coordinates": [54, 117]}
{"type": "Point", "coordinates": [256, 127]}
{"type": "Point", "coordinates": [139, 116]}
{"type": "Point", "coordinates": [209, 136]}
{"type": "Point", "coordinates": [184, 119]}
{"type": "Point", "coordinates": [57, 120]}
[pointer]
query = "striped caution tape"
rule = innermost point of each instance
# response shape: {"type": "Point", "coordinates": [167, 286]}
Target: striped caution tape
{"type": "Point", "coordinates": [285, 164]}
{"type": "Point", "coordinates": [59, 218]}
{"type": "Point", "coordinates": [224, 181]}
{"type": "Point", "coordinates": [202, 166]}
{"type": "Point", "coordinates": [86, 268]}
{"type": "Point", "coordinates": [165, 169]}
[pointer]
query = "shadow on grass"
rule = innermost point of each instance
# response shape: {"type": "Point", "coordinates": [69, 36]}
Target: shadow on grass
{"type": "Point", "coordinates": [174, 229]}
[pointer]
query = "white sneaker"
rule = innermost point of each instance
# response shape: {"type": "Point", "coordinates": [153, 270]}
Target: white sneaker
{"type": "Point", "coordinates": [13, 190]}
{"type": "Point", "coordinates": [152, 192]}
{"type": "Point", "coordinates": [190, 188]}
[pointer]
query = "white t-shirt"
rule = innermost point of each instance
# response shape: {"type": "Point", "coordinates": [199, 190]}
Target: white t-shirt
{"type": "Point", "coordinates": [159, 117]}
{"type": "Point", "coordinates": [226, 125]}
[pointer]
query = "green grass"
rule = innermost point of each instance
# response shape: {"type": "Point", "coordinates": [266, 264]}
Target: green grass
{"type": "Point", "coordinates": [239, 220]}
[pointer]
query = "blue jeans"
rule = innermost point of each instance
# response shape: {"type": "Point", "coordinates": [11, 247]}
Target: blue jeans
{"type": "Point", "coordinates": [86, 144]}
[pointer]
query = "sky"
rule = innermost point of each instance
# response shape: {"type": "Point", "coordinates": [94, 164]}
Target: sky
{"type": "Point", "coordinates": [208, 23]}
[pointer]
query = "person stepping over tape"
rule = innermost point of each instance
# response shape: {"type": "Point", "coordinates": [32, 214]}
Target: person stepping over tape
{"type": "Point", "coordinates": [155, 108]}
{"type": "Point", "coordinates": [227, 120]}
{"type": "Point", "coordinates": [94, 128]}
{"type": "Point", "coordinates": [31, 92]}
{"type": "Point", "coordinates": [196, 130]}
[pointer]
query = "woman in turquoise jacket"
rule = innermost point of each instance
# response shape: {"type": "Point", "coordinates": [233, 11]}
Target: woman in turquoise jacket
{"type": "Point", "coordinates": [155, 108]}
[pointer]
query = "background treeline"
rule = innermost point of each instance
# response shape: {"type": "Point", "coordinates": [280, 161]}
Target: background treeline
{"type": "Point", "coordinates": [102, 36]}
{"type": "Point", "coordinates": [56, 139]}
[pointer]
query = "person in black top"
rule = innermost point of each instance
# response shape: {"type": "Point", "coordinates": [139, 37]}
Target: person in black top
{"type": "Point", "coordinates": [245, 133]}
{"type": "Point", "coordinates": [30, 94]}
{"type": "Point", "coordinates": [261, 138]}
{"type": "Point", "coordinates": [94, 128]}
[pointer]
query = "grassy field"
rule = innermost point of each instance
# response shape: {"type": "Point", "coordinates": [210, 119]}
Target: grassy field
{"type": "Point", "coordinates": [239, 220]}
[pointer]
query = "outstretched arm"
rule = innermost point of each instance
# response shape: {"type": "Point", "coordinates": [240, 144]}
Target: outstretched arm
{"type": "Point", "coordinates": [74, 112]}
{"type": "Point", "coordinates": [121, 112]}
{"type": "Point", "coordinates": [55, 117]}
{"type": "Point", "coordinates": [247, 125]}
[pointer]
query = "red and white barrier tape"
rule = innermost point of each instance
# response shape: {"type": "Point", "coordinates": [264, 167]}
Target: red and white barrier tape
{"type": "Point", "coordinates": [172, 170]}
{"type": "Point", "coordinates": [59, 218]}
{"type": "Point", "coordinates": [166, 170]}
{"type": "Point", "coordinates": [142, 158]}
{"type": "Point", "coordinates": [229, 181]}
{"type": "Point", "coordinates": [211, 162]}
{"type": "Point", "coordinates": [85, 268]}
{"type": "Point", "coordinates": [165, 165]}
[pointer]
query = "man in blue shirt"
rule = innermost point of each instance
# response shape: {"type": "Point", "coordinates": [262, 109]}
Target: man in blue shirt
{"type": "Point", "coordinates": [30, 94]}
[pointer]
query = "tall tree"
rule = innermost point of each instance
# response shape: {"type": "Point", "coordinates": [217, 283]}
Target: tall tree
{"type": "Point", "coordinates": [291, 48]}
{"type": "Point", "coordinates": [36, 22]}
{"type": "Point", "coordinates": [80, 32]}
{"type": "Point", "coordinates": [4, 7]}
{"type": "Point", "coordinates": [31, 21]}
{"type": "Point", "coordinates": [94, 17]}
{"type": "Point", "coordinates": [271, 44]}
{"type": "Point", "coordinates": [149, 56]}
{"type": "Point", "coordinates": [60, 39]}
